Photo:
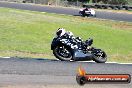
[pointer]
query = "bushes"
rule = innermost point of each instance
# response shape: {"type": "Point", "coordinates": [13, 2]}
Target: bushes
{"type": "Point", "coordinates": [114, 2]}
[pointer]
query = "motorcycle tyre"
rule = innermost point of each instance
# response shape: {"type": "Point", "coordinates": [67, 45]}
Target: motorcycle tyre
{"type": "Point", "coordinates": [60, 57]}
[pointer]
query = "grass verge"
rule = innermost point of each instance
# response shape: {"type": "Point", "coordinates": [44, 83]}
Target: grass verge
{"type": "Point", "coordinates": [29, 34]}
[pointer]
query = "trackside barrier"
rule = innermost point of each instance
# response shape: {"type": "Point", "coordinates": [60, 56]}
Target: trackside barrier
{"type": "Point", "coordinates": [107, 6]}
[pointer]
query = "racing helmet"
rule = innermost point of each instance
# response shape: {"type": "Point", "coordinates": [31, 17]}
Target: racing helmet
{"type": "Point", "coordinates": [60, 32]}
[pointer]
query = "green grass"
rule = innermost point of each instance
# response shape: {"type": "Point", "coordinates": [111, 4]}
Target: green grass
{"type": "Point", "coordinates": [29, 34]}
{"type": "Point", "coordinates": [130, 10]}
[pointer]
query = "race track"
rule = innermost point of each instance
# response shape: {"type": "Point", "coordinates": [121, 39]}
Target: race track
{"type": "Point", "coordinates": [69, 11]}
{"type": "Point", "coordinates": [15, 71]}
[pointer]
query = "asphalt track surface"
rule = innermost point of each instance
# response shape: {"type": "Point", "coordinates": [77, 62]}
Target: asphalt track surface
{"type": "Point", "coordinates": [15, 71]}
{"type": "Point", "coordinates": [69, 11]}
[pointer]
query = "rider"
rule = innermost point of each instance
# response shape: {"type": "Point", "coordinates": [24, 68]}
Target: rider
{"type": "Point", "coordinates": [87, 9]}
{"type": "Point", "coordinates": [61, 32]}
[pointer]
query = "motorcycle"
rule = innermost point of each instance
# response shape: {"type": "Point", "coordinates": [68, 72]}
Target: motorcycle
{"type": "Point", "coordinates": [69, 48]}
{"type": "Point", "coordinates": [88, 12]}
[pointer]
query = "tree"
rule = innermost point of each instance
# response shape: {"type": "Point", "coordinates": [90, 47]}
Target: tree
{"type": "Point", "coordinates": [116, 2]}
{"type": "Point", "coordinates": [79, 0]}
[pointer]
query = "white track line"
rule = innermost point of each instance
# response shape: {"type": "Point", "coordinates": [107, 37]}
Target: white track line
{"type": "Point", "coordinates": [4, 57]}
{"type": "Point", "coordinates": [106, 62]}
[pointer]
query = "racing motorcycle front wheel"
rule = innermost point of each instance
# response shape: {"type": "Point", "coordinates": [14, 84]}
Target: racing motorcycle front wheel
{"type": "Point", "coordinates": [62, 53]}
{"type": "Point", "coordinates": [99, 56]}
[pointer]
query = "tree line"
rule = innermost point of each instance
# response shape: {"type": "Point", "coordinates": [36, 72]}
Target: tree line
{"type": "Point", "coordinates": [122, 2]}
{"type": "Point", "coordinates": [114, 2]}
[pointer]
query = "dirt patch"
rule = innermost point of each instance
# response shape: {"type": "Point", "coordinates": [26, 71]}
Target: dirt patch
{"type": "Point", "coordinates": [108, 23]}
{"type": "Point", "coordinates": [123, 26]}
{"type": "Point", "coordinates": [26, 54]}
{"type": "Point", "coordinates": [121, 58]}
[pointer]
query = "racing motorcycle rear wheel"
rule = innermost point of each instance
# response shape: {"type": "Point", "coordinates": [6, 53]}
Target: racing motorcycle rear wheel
{"type": "Point", "coordinates": [81, 13]}
{"type": "Point", "coordinates": [99, 56]}
{"type": "Point", "coordinates": [62, 53]}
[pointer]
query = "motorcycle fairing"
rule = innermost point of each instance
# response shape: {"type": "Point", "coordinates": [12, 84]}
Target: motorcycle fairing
{"type": "Point", "coordinates": [65, 42]}
{"type": "Point", "coordinates": [78, 55]}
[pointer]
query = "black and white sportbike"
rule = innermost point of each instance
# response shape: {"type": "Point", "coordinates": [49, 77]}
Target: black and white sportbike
{"type": "Point", "coordinates": [87, 12]}
{"type": "Point", "coordinates": [68, 48]}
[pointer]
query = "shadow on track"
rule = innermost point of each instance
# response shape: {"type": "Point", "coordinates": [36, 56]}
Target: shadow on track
{"type": "Point", "coordinates": [42, 60]}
